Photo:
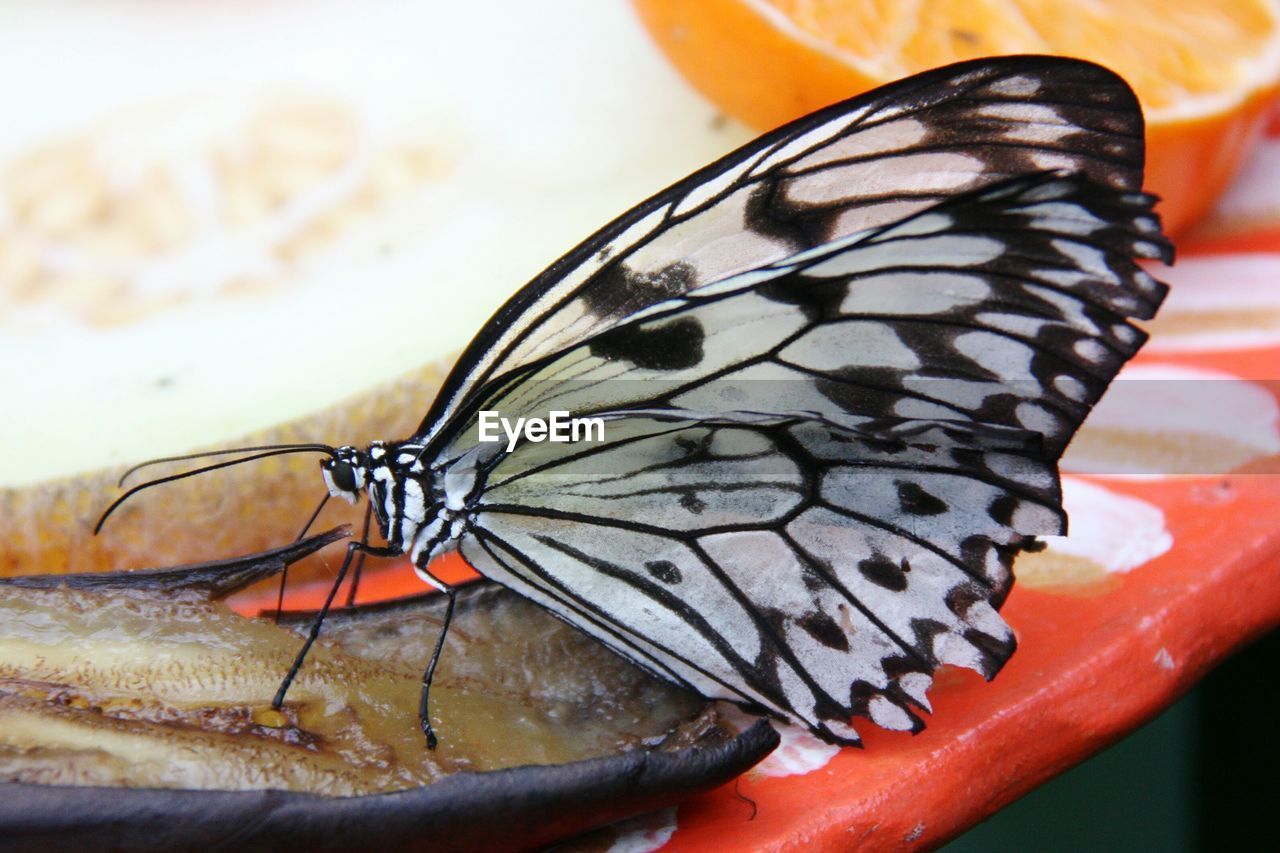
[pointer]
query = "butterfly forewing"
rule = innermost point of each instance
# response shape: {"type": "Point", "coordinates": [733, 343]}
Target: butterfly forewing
{"type": "Point", "coordinates": [1006, 306]}
{"type": "Point", "coordinates": [853, 166]}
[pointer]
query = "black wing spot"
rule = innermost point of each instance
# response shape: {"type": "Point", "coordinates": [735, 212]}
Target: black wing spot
{"type": "Point", "coordinates": [961, 598]}
{"type": "Point", "coordinates": [1002, 509]}
{"type": "Point", "coordinates": [768, 214]}
{"type": "Point", "coordinates": [819, 300]}
{"type": "Point", "coordinates": [813, 581]}
{"type": "Point", "coordinates": [670, 346]}
{"type": "Point", "coordinates": [665, 571]}
{"type": "Point", "coordinates": [994, 651]}
{"type": "Point", "coordinates": [824, 629]}
{"type": "Point", "coordinates": [696, 446]}
{"type": "Point", "coordinates": [882, 571]}
{"type": "Point", "coordinates": [691, 502]}
{"type": "Point", "coordinates": [915, 500]}
{"type": "Point", "coordinates": [618, 291]}
{"type": "Point", "coordinates": [887, 446]}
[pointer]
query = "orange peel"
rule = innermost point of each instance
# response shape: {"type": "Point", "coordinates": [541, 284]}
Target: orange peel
{"type": "Point", "coordinates": [1206, 73]}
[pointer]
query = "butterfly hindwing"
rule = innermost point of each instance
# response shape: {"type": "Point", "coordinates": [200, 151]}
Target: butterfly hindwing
{"type": "Point", "coordinates": [789, 563]}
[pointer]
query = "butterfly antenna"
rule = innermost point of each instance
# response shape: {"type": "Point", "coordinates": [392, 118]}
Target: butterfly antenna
{"type": "Point", "coordinates": [269, 450]}
{"type": "Point", "coordinates": [187, 457]}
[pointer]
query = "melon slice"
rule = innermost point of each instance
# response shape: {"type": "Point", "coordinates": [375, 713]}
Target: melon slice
{"type": "Point", "coordinates": [199, 242]}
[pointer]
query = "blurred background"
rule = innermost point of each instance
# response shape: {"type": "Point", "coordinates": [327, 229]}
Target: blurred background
{"type": "Point", "coordinates": [219, 216]}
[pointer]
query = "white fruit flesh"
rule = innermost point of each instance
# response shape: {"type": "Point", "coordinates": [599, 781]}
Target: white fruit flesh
{"type": "Point", "coordinates": [219, 217]}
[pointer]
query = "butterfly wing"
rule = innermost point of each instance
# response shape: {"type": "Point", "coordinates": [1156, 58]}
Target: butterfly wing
{"type": "Point", "coordinates": [1006, 306]}
{"type": "Point", "coordinates": [786, 563]}
{"type": "Point", "coordinates": [865, 162]}
{"type": "Point", "coordinates": [817, 473]}
{"type": "Point", "coordinates": [837, 367]}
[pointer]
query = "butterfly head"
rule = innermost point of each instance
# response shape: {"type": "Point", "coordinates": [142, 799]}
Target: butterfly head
{"type": "Point", "coordinates": [345, 473]}
{"type": "Point", "coordinates": [402, 492]}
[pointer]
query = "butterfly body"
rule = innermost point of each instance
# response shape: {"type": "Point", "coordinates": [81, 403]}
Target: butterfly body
{"type": "Point", "coordinates": [836, 370]}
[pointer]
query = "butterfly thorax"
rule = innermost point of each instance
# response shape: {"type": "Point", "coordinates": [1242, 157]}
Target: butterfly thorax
{"type": "Point", "coordinates": [418, 507]}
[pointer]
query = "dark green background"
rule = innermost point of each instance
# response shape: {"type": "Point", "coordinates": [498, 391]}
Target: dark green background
{"type": "Point", "coordinates": [1204, 775]}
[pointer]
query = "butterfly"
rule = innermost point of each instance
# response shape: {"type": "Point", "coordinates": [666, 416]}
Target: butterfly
{"type": "Point", "coordinates": [834, 372]}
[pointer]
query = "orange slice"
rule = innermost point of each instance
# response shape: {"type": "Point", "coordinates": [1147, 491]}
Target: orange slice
{"type": "Point", "coordinates": [1205, 71]}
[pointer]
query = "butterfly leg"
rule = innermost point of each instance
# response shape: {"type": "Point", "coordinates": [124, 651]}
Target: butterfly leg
{"type": "Point", "coordinates": [284, 575]}
{"type": "Point", "coordinates": [423, 706]}
{"type": "Point", "coordinates": [352, 549]}
{"type": "Point", "coordinates": [424, 716]}
{"type": "Point", "coordinates": [355, 576]}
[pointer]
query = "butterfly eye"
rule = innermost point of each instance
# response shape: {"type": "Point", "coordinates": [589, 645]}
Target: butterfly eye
{"type": "Point", "coordinates": [344, 476]}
